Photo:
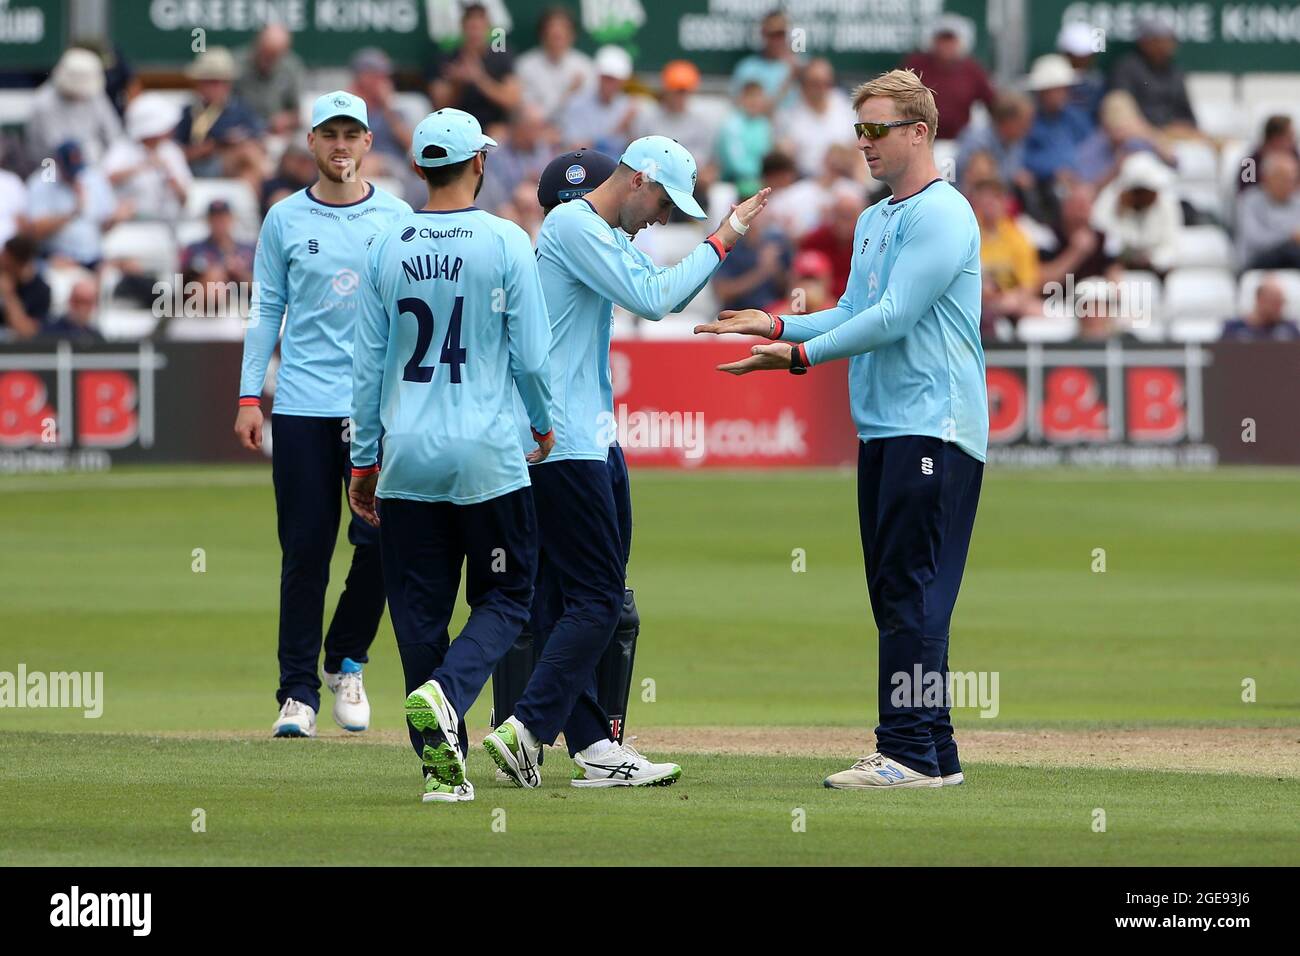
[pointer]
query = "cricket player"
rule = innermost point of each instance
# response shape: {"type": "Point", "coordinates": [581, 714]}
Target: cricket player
{"type": "Point", "coordinates": [909, 324]}
{"type": "Point", "coordinates": [568, 177]}
{"type": "Point", "coordinates": [452, 323]}
{"type": "Point", "coordinates": [309, 254]}
{"type": "Point", "coordinates": [588, 263]}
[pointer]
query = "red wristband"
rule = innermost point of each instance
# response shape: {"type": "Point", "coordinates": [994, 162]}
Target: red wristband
{"type": "Point", "coordinates": [539, 437]}
{"type": "Point", "coordinates": [363, 472]}
{"type": "Point", "coordinates": [249, 400]}
{"type": "Point", "coordinates": [718, 247]}
{"type": "Point", "coordinates": [778, 326]}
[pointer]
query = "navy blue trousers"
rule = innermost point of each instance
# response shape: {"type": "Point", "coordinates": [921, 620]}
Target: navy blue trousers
{"type": "Point", "coordinates": [584, 511]}
{"type": "Point", "coordinates": [310, 470]}
{"type": "Point", "coordinates": [424, 545]}
{"type": "Point", "coordinates": [916, 506]}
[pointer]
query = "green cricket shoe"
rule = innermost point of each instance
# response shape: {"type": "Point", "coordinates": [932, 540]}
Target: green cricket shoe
{"type": "Point", "coordinates": [508, 752]}
{"type": "Point", "coordinates": [435, 791]}
{"type": "Point", "coordinates": [434, 719]}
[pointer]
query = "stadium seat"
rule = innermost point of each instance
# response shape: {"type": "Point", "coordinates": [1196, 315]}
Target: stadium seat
{"type": "Point", "coordinates": [1195, 330]}
{"type": "Point", "coordinates": [15, 107]}
{"type": "Point", "coordinates": [1214, 101]}
{"type": "Point", "coordinates": [1038, 328]}
{"type": "Point", "coordinates": [1289, 280]}
{"type": "Point", "coordinates": [1231, 154]}
{"type": "Point", "coordinates": [669, 327]}
{"type": "Point", "coordinates": [61, 280]}
{"type": "Point", "coordinates": [1203, 246]}
{"type": "Point", "coordinates": [151, 244]}
{"type": "Point", "coordinates": [722, 196]}
{"type": "Point", "coordinates": [388, 184]}
{"type": "Point", "coordinates": [1281, 87]}
{"type": "Point", "coordinates": [1197, 160]}
{"type": "Point", "coordinates": [945, 158]}
{"type": "Point", "coordinates": [1199, 293]}
{"type": "Point", "coordinates": [229, 328]}
{"type": "Point", "coordinates": [248, 213]}
{"type": "Point", "coordinates": [1141, 304]}
{"type": "Point", "coordinates": [670, 244]}
{"type": "Point", "coordinates": [190, 232]}
{"type": "Point", "coordinates": [126, 324]}
{"type": "Point", "coordinates": [414, 106]}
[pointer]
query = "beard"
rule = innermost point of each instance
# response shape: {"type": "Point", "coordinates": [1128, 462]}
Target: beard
{"type": "Point", "coordinates": [327, 170]}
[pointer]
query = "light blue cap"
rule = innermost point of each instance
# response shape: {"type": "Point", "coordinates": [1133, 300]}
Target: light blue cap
{"type": "Point", "coordinates": [668, 163]}
{"type": "Point", "coordinates": [455, 131]}
{"type": "Point", "coordinates": [339, 103]}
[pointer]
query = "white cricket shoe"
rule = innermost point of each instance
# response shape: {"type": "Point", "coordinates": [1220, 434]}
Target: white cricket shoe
{"type": "Point", "coordinates": [296, 720]}
{"type": "Point", "coordinates": [622, 766]}
{"type": "Point", "coordinates": [878, 772]}
{"type": "Point", "coordinates": [954, 779]}
{"type": "Point", "coordinates": [351, 708]}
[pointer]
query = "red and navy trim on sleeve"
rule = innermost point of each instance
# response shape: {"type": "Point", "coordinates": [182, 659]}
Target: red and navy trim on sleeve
{"type": "Point", "coordinates": [778, 327]}
{"type": "Point", "coordinates": [250, 400]}
{"type": "Point", "coordinates": [803, 355]}
{"type": "Point", "coordinates": [362, 472]}
{"type": "Point", "coordinates": [718, 247]}
{"type": "Point", "coordinates": [539, 437]}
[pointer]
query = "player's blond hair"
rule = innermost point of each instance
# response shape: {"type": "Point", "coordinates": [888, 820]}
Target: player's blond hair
{"type": "Point", "coordinates": [912, 98]}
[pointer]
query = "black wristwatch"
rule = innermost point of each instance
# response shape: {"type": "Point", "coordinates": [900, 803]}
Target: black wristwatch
{"type": "Point", "coordinates": [796, 362]}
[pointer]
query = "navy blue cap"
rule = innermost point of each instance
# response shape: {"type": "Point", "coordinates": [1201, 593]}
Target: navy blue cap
{"type": "Point", "coordinates": [68, 155]}
{"type": "Point", "coordinates": [572, 175]}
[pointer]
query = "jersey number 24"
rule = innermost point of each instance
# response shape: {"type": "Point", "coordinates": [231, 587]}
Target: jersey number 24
{"type": "Point", "coordinates": [452, 353]}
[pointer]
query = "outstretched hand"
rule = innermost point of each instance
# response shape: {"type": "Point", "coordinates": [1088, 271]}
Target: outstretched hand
{"type": "Point", "coordinates": [762, 358]}
{"type": "Point", "coordinates": [740, 322]}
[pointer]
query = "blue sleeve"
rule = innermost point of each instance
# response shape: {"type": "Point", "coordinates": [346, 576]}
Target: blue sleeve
{"type": "Point", "coordinates": [528, 326]}
{"type": "Point", "coordinates": [928, 259]}
{"type": "Point", "coordinates": [369, 357]}
{"type": "Point", "coordinates": [266, 309]}
{"type": "Point", "coordinates": [630, 279]}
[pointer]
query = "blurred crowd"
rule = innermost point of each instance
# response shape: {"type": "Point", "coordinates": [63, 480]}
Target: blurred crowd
{"type": "Point", "coordinates": [1073, 171]}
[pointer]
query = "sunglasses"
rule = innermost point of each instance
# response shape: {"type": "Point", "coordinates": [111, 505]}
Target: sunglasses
{"type": "Point", "coordinates": [877, 130]}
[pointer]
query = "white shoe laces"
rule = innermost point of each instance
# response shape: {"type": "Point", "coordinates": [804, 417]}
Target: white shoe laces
{"type": "Point", "coordinates": [870, 762]}
{"type": "Point", "coordinates": [349, 688]}
{"type": "Point", "coordinates": [294, 708]}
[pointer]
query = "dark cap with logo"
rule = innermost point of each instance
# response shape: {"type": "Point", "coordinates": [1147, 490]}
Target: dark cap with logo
{"type": "Point", "coordinates": [572, 175]}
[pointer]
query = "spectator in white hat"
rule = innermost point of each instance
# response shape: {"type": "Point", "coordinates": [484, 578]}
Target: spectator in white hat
{"type": "Point", "coordinates": [1058, 127]}
{"type": "Point", "coordinates": [1080, 43]}
{"type": "Point", "coordinates": [1140, 215]}
{"type": "Point", "coordinates": [148, 168]}
{"type": "Point", "coordinates": [218, 131]}
{"type": "Point", "coordinates": [72, 104]}
{"type": "Point", "coordinates": [603, 118]}
{"type": "Point", "coordinates": [554, 72]}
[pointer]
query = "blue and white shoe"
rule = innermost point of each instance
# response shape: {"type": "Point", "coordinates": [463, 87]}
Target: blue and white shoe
{"type": "Point", "coordinates": [296, 720]}
{"type": "Point", "coordinates": [351, 708]}
{"type": "Point", "coordinates": [878, 772]}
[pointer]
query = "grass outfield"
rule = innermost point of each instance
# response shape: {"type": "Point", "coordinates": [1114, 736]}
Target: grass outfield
{"type": "Point", "coordinates": [1199, 593]}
